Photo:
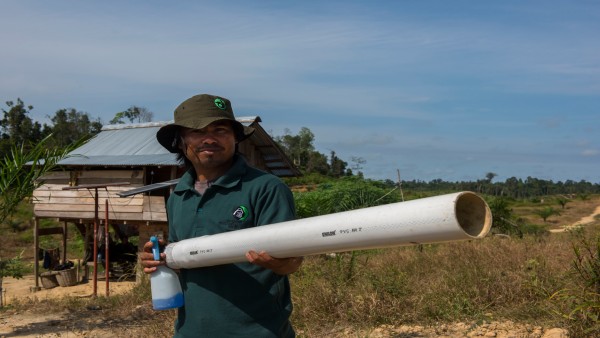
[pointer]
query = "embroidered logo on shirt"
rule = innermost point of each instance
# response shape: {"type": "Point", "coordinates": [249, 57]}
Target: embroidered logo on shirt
{"type": "Point", "coordinates": [241, 213]}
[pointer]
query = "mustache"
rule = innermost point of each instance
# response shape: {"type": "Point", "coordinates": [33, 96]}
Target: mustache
{"type": "Point", "coordinates": [208, 148]}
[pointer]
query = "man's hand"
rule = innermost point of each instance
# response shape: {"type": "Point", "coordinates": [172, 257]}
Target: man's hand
{"type": "Point", "coordinates": [147, 258]}
{"type": "Point", "coordinates": [281, 266]}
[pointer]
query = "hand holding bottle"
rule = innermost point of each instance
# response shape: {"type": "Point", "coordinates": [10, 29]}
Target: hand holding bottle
{"type": "Point", "coordinates": [166, 289]}
{"type": "Point", "coordinates": [147, 257]}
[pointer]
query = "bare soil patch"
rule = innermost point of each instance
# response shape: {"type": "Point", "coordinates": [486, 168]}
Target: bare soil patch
{"type": "Point", "coordinates": [22, 289]}
{"type": "Point", "coordinates": [41, 322]}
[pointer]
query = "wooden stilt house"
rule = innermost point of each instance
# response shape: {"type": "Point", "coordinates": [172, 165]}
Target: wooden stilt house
{"type": "Point", "coordinates": [86, 190]}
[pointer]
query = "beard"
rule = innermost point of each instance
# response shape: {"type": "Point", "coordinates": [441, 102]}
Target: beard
{"type": "Point", "coordinates": [210, 157]}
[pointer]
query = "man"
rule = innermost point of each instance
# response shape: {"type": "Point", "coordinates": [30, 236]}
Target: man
{"type": "Point", "coordinates": [219, 192]}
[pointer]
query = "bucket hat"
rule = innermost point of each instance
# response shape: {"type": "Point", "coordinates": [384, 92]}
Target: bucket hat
{"type": "Point", "coordinates": [198, 112]}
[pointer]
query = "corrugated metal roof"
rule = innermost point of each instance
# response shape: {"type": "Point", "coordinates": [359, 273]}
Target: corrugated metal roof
{"type": "Point", "coordinates": [136, 145]}
{"type": "Point", "coordinates": [118, 145]}
{"type": "Point", "coordinates": [122, 160]}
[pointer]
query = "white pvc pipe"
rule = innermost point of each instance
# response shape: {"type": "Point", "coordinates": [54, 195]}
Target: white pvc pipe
{"type": "Point", "coordinates": [452, 217]}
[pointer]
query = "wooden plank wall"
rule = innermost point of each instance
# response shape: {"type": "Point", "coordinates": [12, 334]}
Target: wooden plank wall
{"type": "Point", "coordinates": [51, 201]}
{"type": "Point", "coordinates": [252, 155]}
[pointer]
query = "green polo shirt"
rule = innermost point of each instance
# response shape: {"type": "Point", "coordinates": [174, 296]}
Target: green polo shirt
{"type": "Point", "coordinates": [232, 300]}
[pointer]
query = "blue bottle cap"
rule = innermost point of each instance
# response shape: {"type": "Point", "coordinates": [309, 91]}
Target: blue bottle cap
{"type": "Point", "coordinates": [155, 248]}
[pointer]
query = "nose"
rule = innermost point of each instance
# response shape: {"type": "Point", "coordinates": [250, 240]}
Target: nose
{"type": "Point", "coordinates": [206, 137]}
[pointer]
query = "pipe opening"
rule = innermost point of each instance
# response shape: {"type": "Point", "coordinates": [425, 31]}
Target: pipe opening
{"type": "Point", "coordinates": [473, 214]}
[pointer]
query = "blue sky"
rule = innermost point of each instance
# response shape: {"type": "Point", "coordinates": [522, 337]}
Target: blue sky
{"type": "Point", "coordinates": [436, 89]}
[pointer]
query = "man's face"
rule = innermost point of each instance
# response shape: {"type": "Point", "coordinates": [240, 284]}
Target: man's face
{"type": "Point", "coordinates": [210, 148]}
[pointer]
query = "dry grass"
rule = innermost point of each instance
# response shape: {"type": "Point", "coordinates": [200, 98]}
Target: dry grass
{"type": "Point", "coordinates": [491, 279]}
{"type": "Point", "coordinates": [496, 278]}
{"type": "Point", "coordinates": [573, 211]}
{"type": "Point", "coordinates": [477, 280]}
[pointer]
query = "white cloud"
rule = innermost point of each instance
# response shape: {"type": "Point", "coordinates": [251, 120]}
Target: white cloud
{"type": "Point", "coordinates": [590, 152]}
{"type": "Point", "coordinates": [398, 83]}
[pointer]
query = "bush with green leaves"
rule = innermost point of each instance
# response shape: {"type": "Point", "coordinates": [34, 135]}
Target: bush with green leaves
{"type": "Point", "coordinates": [344, 194]}
{"type": "Point", "coordinates": [504, 220]}
{"type": "Point", "coordinates": [13, 267]}
{"type": "Point", "coordinates": [22, 169]}
{"type": "Point", "coordinates": [562, 201]}
{"type": "Point", "coordinates": [547, 212]}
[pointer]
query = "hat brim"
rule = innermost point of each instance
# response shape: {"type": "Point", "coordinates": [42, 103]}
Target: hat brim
{"type": "Point", "coordinates": [166, 135]}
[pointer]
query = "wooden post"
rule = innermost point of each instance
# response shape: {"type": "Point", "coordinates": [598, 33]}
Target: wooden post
{"type": "Point", "coordinates": [400, 185]}
{"type": "Point", "coordinates": [64, 242]}
{"type": "Point", "coordinates": [36, 247]}
{"type": "Point", "coordinates": [95, 187]}
{"type": "Point", "coordinates": [86, 270]}
{"type": "Point", "coordinates": [106, 249]}
{"type": "Point", "coordinates": [95, 276]}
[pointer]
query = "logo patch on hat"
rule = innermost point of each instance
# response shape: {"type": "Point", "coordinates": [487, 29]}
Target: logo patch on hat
{"type": "Point", "coordinates": [241, 213]}
{"type": "Point", "coordinates": [220, 104]}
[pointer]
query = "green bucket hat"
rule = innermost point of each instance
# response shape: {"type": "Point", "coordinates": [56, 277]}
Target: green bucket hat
{"type": "Point", "coordinates": [198, 112]}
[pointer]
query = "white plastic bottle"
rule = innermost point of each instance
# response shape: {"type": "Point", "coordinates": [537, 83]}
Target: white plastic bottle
{"type": "Point", "coordinates": [166, 290]}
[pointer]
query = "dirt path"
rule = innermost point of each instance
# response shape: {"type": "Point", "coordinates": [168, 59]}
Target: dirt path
{"type": "Point", "coordinates": [584, 220]}
{"type": "Point", "coordinates": [588, 219]}
{"type": "Point", "coordinates": [21, 289]}
{"type": "Point", "coordinates": [88, 323]}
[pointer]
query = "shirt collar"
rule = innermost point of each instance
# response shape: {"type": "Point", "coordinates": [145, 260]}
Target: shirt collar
{"type": "Point", "coordinates": [233, 176]}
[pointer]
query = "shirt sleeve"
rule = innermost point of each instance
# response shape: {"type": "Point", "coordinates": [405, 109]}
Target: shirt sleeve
{"type": "Point", "coordinates": [275, 204]}
{"type": "Point", "coordinates": [172, 234]}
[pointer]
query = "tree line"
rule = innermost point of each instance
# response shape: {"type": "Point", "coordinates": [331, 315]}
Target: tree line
{"type": "Point", "coordinates": [512, 187]}
{"type": "Point", "coordinates": [300, 148]}
{"type": "Point", "coordinates": [69, 125]}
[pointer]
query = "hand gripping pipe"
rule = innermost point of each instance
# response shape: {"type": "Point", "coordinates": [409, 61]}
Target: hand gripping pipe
{"type": "Point", "coordinates": [445, 218]}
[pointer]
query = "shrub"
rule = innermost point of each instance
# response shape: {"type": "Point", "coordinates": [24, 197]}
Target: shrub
{"type": "Point", "coordinates": [13, 267]}
{"type": "Point", "coordinates": [581, 301]}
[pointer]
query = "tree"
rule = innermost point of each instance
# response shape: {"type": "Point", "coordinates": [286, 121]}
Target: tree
{"type": "Point", "coordinates": [17, 127]}
{"type": "Point", "coordinates": [490, 176]}
{"type": "Point", "coordinates": [562, 201]}
{"type": "Point", "coordinates": [317, 163]}
{"type": "Point", "coordinates": [357, 164]}
{"type": "Point", "coordinates": [299, 147]}
{"type": "Point", "coordinates": [134, 114]}
{"type": "Point", "coordinates": [337, 166]}
{"type": "Point", "coordinates": [546, 212]}
{"type": "Point", "coordinates": [71, 125]}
